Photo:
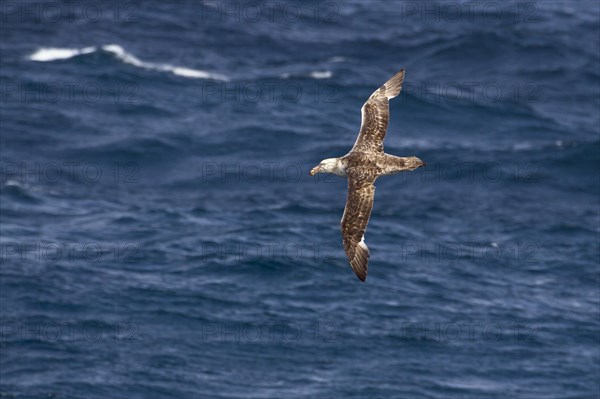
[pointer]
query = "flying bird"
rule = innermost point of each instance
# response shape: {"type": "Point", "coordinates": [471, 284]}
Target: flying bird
{"type": "Point", "coordinates": [362, 166]}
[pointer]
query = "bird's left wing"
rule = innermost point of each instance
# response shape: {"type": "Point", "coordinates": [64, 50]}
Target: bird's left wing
{"type": "Point", "coordinates": [359, 203]}
{"type": "Point", "coordinates": [376, 114]}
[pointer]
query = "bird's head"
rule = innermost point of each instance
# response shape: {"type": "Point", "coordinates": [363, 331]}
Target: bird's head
{"type": "Point", "coordinates": [329, 165]}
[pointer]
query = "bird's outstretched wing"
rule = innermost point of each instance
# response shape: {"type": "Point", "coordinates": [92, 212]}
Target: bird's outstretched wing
{"type": "Point", "coordinates": [376, 114]}
{"type": "Point", "coordinates": [359, 203]}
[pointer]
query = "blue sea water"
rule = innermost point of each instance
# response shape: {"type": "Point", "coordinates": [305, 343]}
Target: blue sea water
{"type": "Point", "coordinates": [161, 237]}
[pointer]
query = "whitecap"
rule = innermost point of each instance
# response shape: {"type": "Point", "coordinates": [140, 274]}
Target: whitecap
{"type": "Point", "coordinates": [321, 74]}
{"type": "Point", "coordinates": [194, 73]}
{"type": "Point", "coordinates": [129, 58]}
{"type": "Point", "coordinates": [124, 56]}
{"type": "Point", "coordinates": [523, 146]}
{"type": "Point", "coordinates": [46, 54]}
{"type": "Point", "coordinates": [13, 183]}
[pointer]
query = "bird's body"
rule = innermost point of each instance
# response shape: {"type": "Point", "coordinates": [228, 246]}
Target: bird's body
{"type": "Point", "coordinates": [362, 166]}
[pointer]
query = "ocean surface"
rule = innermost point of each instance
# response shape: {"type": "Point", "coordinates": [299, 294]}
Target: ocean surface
{"type": "Point", "coordinates": [161, 236]}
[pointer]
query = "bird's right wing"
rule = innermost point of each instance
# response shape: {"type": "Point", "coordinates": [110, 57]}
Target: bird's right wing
{"type": "Point", "coordinates": [359, 203]}
{"type": "Point", "coordinates": [376, 114]}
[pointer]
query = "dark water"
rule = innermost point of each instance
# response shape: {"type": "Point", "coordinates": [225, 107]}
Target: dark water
{"type": "Point", "coordinates": [161, 237]}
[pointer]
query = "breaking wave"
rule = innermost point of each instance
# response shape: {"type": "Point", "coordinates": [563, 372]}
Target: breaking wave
{"type": "Point", "coordinates": [49, 54]}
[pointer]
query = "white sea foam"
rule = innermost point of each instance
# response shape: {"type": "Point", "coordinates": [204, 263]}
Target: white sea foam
{"type": "Point", "coordinates": [194, 73]}
{"type": "Point", "coordinates": [46, 54]}
{"type": "Point", "coordinates": [131, 59]}
{"type": "Point", "coordinates": [53, 54]}
{"type": "Point", "coordinates": [124, 56]}
{"type": "Point", "coordinates": [13, 183]}
{"type": "Point", "coordinates": [314, 75]}
{"type": "Point", "coordinates": [321, 74]}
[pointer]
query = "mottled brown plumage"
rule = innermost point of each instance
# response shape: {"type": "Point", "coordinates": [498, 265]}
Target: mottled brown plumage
{"type": "Point", "coordinates": [362, 166]}
{"type": "Point", "coordinates": [376, 115]}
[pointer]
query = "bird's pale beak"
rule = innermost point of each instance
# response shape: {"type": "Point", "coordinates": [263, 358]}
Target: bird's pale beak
{"type": "Point", "coordinates": [315, 170]}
